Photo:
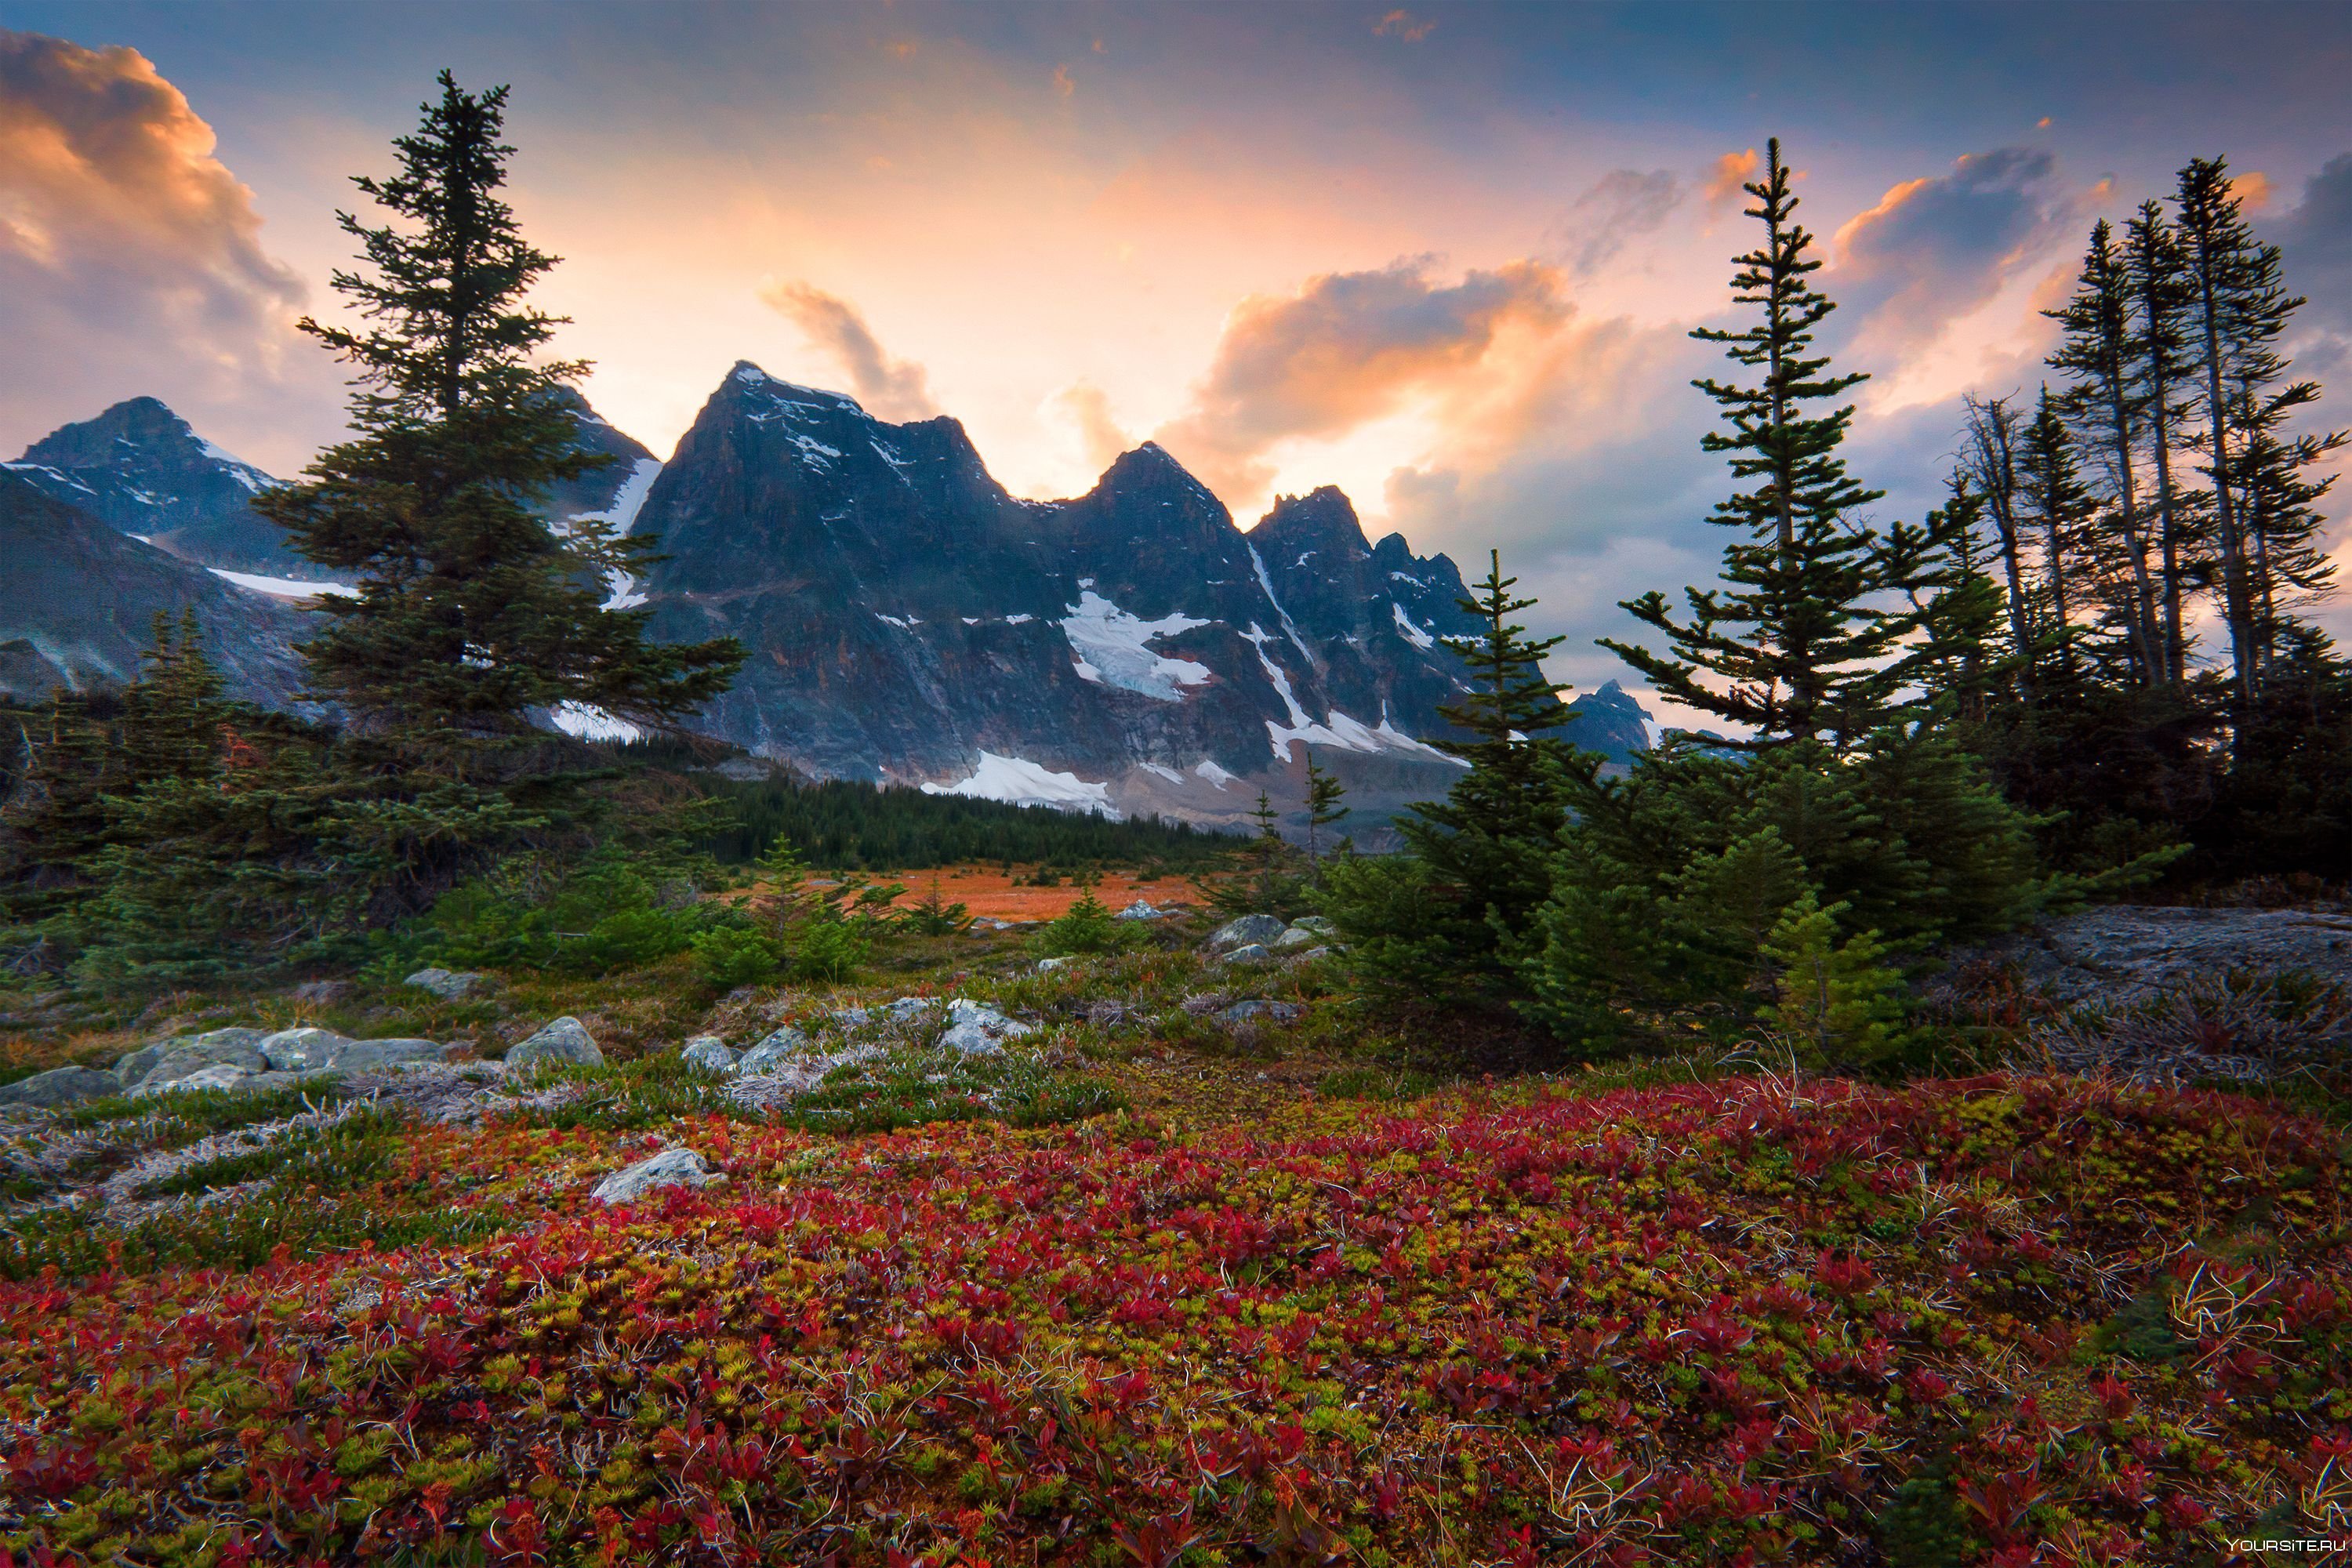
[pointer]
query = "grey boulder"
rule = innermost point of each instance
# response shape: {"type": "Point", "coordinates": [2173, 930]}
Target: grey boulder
{"type": "Point", "coordinates": [564, 1040]}
{"type": "Point", "coordinates": [785, 1045]}
{"type": "Point", "coordinates": [448, 985]}
{"type": "Point", "coordinates": [670, 1168]}
{"type": "Point", "coordinates": [134, 1069]}
{"type": "Point", "coordinates": [294, 1050]}
{"type": "Point", "coordinates": [976, 1030]}
{"type": "Point", "coordinates": [185, 1059]}
{"type": "Point", "coordinates": [1248, 931]}
{"type": "Point", "coordinates": [363, 1056]}
{"type": "Point", "coordinates": [710, 1053]}
{"type": "Point", "coordinates": [217, 1075]}
{"type": "Point", "coordinates": [1047, 965]}
{"type": "Point", "coordinates": [1248, 953]}
{"type": "Point", "coordinates": [59, 1087]}
{"type": "Point", "coordinates": [1140, 909]}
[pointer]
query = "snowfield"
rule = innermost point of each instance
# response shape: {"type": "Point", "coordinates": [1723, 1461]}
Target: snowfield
{"type": "Point", "coordinates": [1016, 781]}
{"type": "Point", "coordinates": [1113, 648]}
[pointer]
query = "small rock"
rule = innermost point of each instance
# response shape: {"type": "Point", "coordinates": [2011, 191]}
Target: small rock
{"type": "Point", "coordinates": [1316, 924]}
{"type": "Point", "coordinates": [670, 1168]}
{"type": "Point", "coordinates": [128, 1071]}
{"type": "Point", "coordinates": [293, 1050]}
{"type": "Point", "coordinates": [363, 1055]}
{"type": "Point", "coordinates": [1140, 909]}
{"type": "Point", "coordinates": [781, 1046]}
{"type": "Point", "coordinates": [219, 1075]}
{"type": "Point", "coordinates": [564, 1040]}
{"type": "Point", "coordinates": [1294, 939]}
{"type": "Point", "coordinates": [1046, 965]}
{"type": "Point", "coordinates": [449, 986]}
{"type": "Point", "coordinates": [60, 1086]}
{"type": "Point", "coordinates": [1202, 1005]}
{"type": "Point", "coordinates": [1274, 1011]}
{"type": "Point", "coordinates": [133, 1069]}
{"type": "Point", "coordinates": [1311, 954]}
{"type": "Point", "coordinates": [710, 1053]}
{"type": "Point", "coordinates": [1250, 953]}
{"type": "Point", "coordinates": [1248, 931]}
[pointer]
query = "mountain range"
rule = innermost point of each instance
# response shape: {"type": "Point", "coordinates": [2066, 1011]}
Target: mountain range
{"type": "Point", "coordinates": [906, 620]}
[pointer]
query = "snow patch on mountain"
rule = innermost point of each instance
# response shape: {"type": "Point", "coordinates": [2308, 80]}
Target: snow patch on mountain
{"type": "Point", "coordinates": [1265, 581]}
{"type": "Point", "coordinates": [1016, 781]}
{"type": "Point", "coordinates": [1213, 773]}
{"type": "Point", "coordinates": [1113, 648]}
{"type": "Point", "coordinates": [1411, 633]}
{"type": "Point", "coordinates": [280, 587]}
{"type": "Point", "coordinates": [622, 516]}
{"type": "Point", "coordinates": [590, 722]}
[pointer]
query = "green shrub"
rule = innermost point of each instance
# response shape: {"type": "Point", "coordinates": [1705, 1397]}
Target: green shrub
{"type": "Point", "coordinates": [730, 956]}
{"type": "Point", "coordinates": [831, 949]}
{"type": "Point", "coordinates": [1087, 926]}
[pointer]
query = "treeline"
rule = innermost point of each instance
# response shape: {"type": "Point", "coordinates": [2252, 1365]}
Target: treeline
{"type": "Point", "coordinates": [842, 824]}
{"type": "Point", "coordinates": [2152, 520]}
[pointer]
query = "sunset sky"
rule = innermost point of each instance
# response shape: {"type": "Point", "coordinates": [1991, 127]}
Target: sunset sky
{"type": "Point", "coordinates": [1443, 256]}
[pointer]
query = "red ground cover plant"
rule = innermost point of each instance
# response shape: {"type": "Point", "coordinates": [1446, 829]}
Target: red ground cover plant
{"type": "Point", "coordinates": [2006, 1322]}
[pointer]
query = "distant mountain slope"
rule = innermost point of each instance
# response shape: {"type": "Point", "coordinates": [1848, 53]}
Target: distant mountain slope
{"type": "Point", "coordinates": [77, 602]}
{"type": "Point", "coordinates": [1131, 648]}
{"type": "Point", "coordinates": [143, 469]}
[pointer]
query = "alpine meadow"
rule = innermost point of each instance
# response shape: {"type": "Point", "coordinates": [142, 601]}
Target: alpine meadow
{"type": "Point", "coordinates": [830, 999]}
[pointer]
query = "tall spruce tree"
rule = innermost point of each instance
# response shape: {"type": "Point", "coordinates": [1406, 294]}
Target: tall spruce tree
{"type": "Point", "coordinates": [2163, 367]}
{"type": "Point", "coordinates": [2238, 310]}
{"type": "Point", "coordinates": [473, 619]}
{"type": "Point", "coordinates": [1797, 639]}
{"type": "Point", "coordinates": [2104, 408]}
{"type": "Point", "coordinates": [1990, 463]}
{"type": "Point", "coordinates": [2060, 504]}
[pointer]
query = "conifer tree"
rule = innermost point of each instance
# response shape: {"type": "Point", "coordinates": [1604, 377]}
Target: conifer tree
{"type": "Point", "coordinates": [1324, 810]}
{"type": "Point", "coordinates": [2163, 364]}
{"type": "Point", "coordinates": [2061, 506]}
{"type": "Point", "coordinates": [473, 619]}
{"type": "Point", "coordinates": [2107, 409]}
{"type": "Point", "coordinates": [1796, 638]}
{"type": "Point", "coordinates": [2238, 309]}
{"type": "Point", "coordinates": [1992, 465]}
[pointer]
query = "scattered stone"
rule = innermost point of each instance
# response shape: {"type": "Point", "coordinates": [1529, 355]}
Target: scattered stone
{"type": "Point", "coordinates": [1250, 953]}
{"type": "Point", "coordinates": [134, 1069]}
{"type": "Point", "coordinates": [1311, 954]}
{"type": "Point", "coordinates": [1294, 939]}
{"type": "Point", "coordinates": [564, 1040]}
{"type": "Point", "coordinates": [130, 1069]}
{"type": "Point", "coordinates": [295, 1050]}
{"type": "Point", "coordinates": [670, 1168]}
{"type": "Point", "coordinates": [61, 1087]}
{"type": "Point", "coordinates": [217, 1075]}
{"type": "Point", "coordinates": [1140, 909]}
{"type": "Point", "coordinates": [710, 1053]}
{"type": "Point", "coordinates": [449, 986]}
{"type": "Point", "coordinates": [1274, 1011]}
{"type": "Point", "coordinates": [1316, 924]}
{"type": "Point", "coordinates": [365, 1056]}
{"type": "Point", "coordinates": [1248, 931]}
{"type": "Point", "coordinates": [1046, 965]}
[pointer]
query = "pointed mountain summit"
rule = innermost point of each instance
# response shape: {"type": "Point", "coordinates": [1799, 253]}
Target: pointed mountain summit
{"type": "Point", "coordinates": [141, 469]}
{"type": "Point", "coordinates": [911, 620]}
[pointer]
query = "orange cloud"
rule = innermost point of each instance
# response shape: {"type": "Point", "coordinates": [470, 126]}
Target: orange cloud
{"type": "Point", "coordinates": [1349, 348]}
{"type": "Point", "coordinates": [2253, 187]}
{"type": "Point", "coordinates": [1404, 25]}
{"type": "Point", "coordinates": [1101, 434]}
{"type": "Point", "coordinates": [119, 231]}
{"type": "Point", "coordinates": [1728, 173]}
{"type": "Point", "coordinates": [892, 389]}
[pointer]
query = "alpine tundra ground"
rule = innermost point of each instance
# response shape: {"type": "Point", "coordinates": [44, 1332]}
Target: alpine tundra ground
{"type": "Point", "coordinates": [1168, 1279]}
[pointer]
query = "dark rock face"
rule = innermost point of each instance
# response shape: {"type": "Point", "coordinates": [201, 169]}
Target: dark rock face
{"type": "Point", "coordinates": [909, 620]}
{"type": "Point", "coordinates": [141, 469]}
{"type": "Point", "coordinates": [77, 602]}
